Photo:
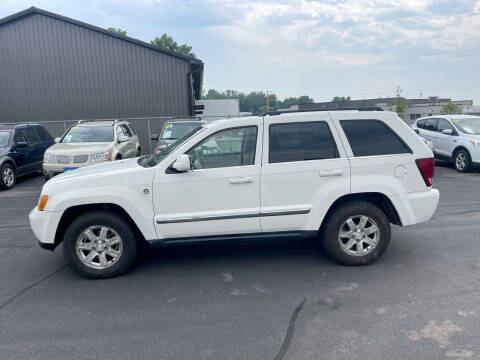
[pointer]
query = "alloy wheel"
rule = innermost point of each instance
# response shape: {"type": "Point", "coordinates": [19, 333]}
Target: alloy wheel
{"type": "Point", "coordinates": [359, 235]}
{"type": "Point", "coordinates": [99, 247]}
{"type": "Point", "coordinates": [8, 177]}
{"type": "Point", "coordinates": [460, 161]}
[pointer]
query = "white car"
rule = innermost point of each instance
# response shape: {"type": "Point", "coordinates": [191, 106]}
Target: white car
{"type": "Point", "coordinates": [89, 143]}
{"type": "Point", "coordinates": [343, 175]}
{"type": "Point", "coordinates": [455, 138]}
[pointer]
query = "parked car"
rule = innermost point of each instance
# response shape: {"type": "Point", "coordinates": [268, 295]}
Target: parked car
{"type": "Point", "coordinates": [341, 175]}
{"type": "Point", "coordinates": [21, 151]}
{"type": "Point", "coordinates": [88, 143]}
{"type": "Point", "coordinates": [172, 131]}
{"type": "Point", "coordinates": [455, 138]}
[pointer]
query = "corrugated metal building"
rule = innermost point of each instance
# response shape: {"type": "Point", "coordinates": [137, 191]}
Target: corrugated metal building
{"type": "Point", "coordinates": [57, 68]}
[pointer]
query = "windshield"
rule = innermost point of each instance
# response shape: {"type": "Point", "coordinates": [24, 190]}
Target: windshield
{"type": "Point", "coordinates": [4, 137]}
{"type": "Point", "coordinates": [175, 131]}
{"type": "Point", "coordinates": [153, 160]}
{"type": "Point", "coordinates": [468, 125]}
{"type": "Point", "coordinates": [79, 134]}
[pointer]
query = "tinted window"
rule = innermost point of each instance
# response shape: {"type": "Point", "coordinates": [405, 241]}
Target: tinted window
{"type": "Point", "coordinates": [20, 136]}
{"type": "Point", "coordinates": [126, 130]}
{"type": "Point", "coordinates": [33, 136]}
{"type": "Point", "coordinates": [372, 137]}
{"type": "Point", "coordinates": [301, 141]}
{"type": "Point", "coordinates": [421, 124]}
{"type": "Point", "coordinates": [443, 125]}
{"type": "Point", "coordinates": [44, 134]}
{"type": "Point", "coordinates": [231, 147]}
{"type": "Point", "coordinates": [430, 124]}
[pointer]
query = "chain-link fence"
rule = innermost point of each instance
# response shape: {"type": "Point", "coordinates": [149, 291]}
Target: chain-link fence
{"type": "Point", "coordinates": [143, 127]}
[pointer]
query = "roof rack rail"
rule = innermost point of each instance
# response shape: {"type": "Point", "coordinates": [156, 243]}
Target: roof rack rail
{"type": "Point", "coordinates": [366, 108]}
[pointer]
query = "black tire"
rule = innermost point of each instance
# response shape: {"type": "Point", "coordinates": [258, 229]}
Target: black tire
{"type": "Point", "coordinates": [119, 157]}
{"type": "Point", "coordinates": [462, 161]}
{"type": "Point", "coordinates": [335, 223]}
{"type": "Point", "coordinates": [139, 152]}
{"type": "Point", "coordinates": [101, 218]}
{"type": "Point", "coordinates": [47, 177]}
{"type": "Point", "coordinates": [7, 167]}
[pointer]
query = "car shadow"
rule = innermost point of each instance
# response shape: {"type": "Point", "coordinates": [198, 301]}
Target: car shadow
{"type": "Point", "coordinates": [232, 251]}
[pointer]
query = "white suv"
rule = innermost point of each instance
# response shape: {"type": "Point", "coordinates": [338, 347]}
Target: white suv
{"type": "Point", "coordinates": [88, 143]}
{"type": "Point", "coordinates": [342, 175]}
{"type": "Point", "coordinates": [455, 138]}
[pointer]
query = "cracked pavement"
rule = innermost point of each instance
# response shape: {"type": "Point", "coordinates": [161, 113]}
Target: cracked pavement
{"type": "Point", "coordinates": [275, 299]}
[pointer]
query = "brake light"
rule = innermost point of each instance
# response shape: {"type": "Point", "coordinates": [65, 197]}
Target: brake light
{"type": "Point", "coordinates": [426, 167]}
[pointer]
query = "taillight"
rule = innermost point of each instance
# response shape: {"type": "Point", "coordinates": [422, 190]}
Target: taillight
{"type": "Point", "coordinates": [426, 167]}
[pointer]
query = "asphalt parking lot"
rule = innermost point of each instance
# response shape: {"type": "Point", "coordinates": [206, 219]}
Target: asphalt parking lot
{"type": "Point", "coordinates": [274, 299]}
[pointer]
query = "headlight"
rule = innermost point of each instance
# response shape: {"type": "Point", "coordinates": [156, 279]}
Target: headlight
{"type": "Point", "coordinates": [48, 158]}
{"type": "Point", "coordinates": [105, 156]}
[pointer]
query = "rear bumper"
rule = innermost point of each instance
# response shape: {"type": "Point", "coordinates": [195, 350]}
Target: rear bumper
{"type": "Point", "coordinates": [417, 207]}
{"type": "Point", "coordinates": [44, 225]}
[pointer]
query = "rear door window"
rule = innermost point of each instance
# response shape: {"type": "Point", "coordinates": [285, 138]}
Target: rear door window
{"type": "Point", "coordinates": [373, 138]}
{"type": "Point", "coordinates": [33, 137]}
{"type": "Point", "coordinates": [430, 124]}
{"type": "Point", "coordinates": [300, 142]}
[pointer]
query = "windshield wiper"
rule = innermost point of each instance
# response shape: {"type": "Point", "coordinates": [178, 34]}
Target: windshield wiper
{"type": "Point", "coordinates": [170, 138]}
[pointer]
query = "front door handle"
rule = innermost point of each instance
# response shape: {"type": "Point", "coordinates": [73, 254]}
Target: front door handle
{"type": "Point", "coordinates": [336, 172]}
{"type": "Point", "coordinates": [240, 180]}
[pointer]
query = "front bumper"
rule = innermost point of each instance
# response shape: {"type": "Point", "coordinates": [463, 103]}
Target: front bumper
{"type": "Point", "coordinates": [44, 225]}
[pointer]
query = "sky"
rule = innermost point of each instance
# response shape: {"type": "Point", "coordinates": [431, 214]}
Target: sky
{"type": "Point", "coordinates": [358, 48]}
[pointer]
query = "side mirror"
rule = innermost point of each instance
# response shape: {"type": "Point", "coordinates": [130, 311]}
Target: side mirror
{"type": "Point", "coordinates": [417, 131]}
{"type": "Point", "coordinates": [182, 164]}
{"type": "Point", "coordinates": [21, 144]}
{"type": "Point", "coordinates": [447, 132]}
{"type": "Point", "coordinates": [57, 139]}
{"type": "Point", "coordinates": [122, 138]}
{"type": "Point", "coordinates": [154, 137]}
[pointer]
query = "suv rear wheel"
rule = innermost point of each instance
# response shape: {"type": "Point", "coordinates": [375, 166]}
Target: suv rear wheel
{"type": "Point", "coordinates": [7, 176]}
{"type": "Point", "coordinates": [463, 161]}
{"type": "Point", "coordinates": [100, 244]}
{"type": "Point", "coordinates": [357, 233]}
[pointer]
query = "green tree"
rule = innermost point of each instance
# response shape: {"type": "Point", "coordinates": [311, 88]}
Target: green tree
{"type": "Point", "coordinates": [291, 101]}
{"type": "Point", "coordinates": [341, 98]}
{"type": "Point", "coordinates": [450, 108]}
{"type": "Point", "coordinates": [118, 31]}
{"type": "Point", "coordinates": [167, 42]}
{"type": "Point", "coordinates": [400, 104]}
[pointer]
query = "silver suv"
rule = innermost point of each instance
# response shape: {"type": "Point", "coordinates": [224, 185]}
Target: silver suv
{"type": "Point", "coordinates": [88, 143]}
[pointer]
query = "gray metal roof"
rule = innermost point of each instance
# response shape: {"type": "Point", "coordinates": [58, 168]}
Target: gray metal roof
{"type": "Point", "coordinates": [33, 10]}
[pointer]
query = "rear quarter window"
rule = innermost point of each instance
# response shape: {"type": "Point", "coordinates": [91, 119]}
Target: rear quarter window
{"type": "Point", "coordinates": [373, 138]}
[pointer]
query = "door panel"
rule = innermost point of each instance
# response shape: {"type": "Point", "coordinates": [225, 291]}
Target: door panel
{"type": "Point", "coordinates": [444, 143]}
{"type": "Point", "coordinates": [206, 200]}
{"type": "Point", "coordinates": [22, 156]}
{"type": "Point", "coordinates": [296, 194]}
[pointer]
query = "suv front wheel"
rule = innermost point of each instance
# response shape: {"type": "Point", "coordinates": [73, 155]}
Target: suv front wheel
{"type": "Point", "coordinates": [357, 233]}
{"type": "Point", "coordinates": [463, 160]}
{"type": "Point", "coordinates": [7, 176]}
{"type": "Point", "coordinates": [100, 244]}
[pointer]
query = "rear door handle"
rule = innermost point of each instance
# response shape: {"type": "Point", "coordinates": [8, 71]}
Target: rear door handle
{"type": "Point", "coordinates": [240, 180]}
{"type": "Point", "coordinates": [336, 172]}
